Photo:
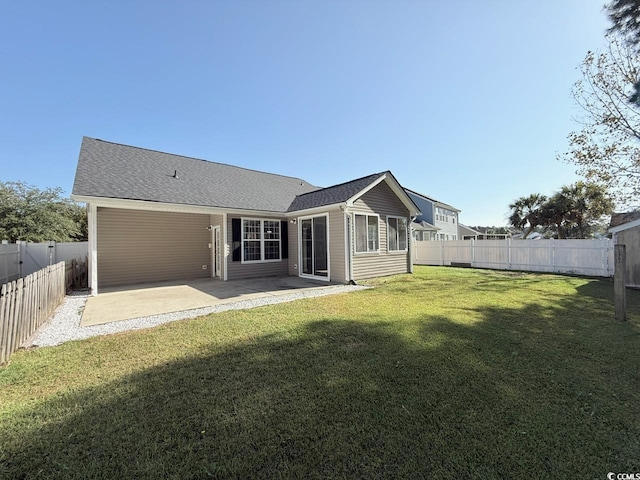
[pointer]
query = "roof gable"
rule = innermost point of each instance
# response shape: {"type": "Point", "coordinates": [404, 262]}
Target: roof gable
{"type": "Point", "coordinates": [332, 195]}
{"type": "Point", "coordinates": [348, 192]}
{"type": "Point", "coordinates": [112, 170]}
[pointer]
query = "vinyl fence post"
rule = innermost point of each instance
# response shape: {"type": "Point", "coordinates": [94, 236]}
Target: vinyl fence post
{"type": "Point", "coordinates": [473, 252]}
{"type": "Point", "coordinates": [620, 282]}
{"type": "Point", "coordinates": [21, 256]}
{"type": "Point", "coordinates": [604, 252]}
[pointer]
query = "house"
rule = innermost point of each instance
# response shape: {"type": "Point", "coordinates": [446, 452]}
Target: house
{"type": "Point", "coordinates": [480, 233]}
{"type": "Point", "coordinates": [155, 216]}
{"type": "Point", "coordinates": [468, 233]}
{"type": "Point", "coordinates": [423, 231]}
{"type": "Point", "coordinates": [439, 215]}
{"type": "Point", "coordinates": [625, 229]}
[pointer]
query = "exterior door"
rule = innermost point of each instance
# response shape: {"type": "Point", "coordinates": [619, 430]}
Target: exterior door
{"type": "Point", "coordinates": [314, 247]}
{"type": "Point", "coordinates": [217, 257]}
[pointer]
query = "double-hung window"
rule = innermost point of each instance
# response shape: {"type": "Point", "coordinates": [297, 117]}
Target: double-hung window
{"type": "Point", "coordinates": [397, 234]}
{"type": "Point", "coordinates": [367, 233]}
{"type": "Point", "coordinates": [260, 240]}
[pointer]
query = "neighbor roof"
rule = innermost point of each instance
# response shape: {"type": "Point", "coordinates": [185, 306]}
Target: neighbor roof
{"type": "Point", "coordinates": [334, 194]}
{"type": "Point", "coordinates": [433, 200]}
{"type": "Point", "coordinates": [423, 225]}
{"type": "Point", "coordinates": [621, 218]}
{"type": "Point", "coordinates": [469, 230]}
{"type": "Point", "coordinates": [112, 170]}
{"type": "Point", "coordinates": [622, 221]}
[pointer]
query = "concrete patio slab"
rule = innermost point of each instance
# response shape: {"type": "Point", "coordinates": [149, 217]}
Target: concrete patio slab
{"type": "Point", "coordinates": [143, 300]}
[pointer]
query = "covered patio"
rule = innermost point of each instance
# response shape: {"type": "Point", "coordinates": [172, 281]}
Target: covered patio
{"type": "Point", "coordinates": [114, 304]}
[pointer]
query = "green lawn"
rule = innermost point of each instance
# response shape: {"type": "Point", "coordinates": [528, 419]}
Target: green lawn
{"type": "Point", "coordinates": [447, 373]}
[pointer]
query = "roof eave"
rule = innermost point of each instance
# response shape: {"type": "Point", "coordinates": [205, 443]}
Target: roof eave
{"type": "Point", "coordinates": [130, 204]}
{"type": "Point", "coordinates": [625, 226]}
{"type": "Point", "coordinates": [313, 210]}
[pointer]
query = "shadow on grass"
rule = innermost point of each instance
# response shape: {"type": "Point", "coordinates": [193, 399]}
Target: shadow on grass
{"type": "Point", "coordinates": [524, 392]}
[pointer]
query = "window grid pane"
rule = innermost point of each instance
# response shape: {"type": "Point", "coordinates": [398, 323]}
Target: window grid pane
{"type": "Point", "coordinates": [372, 233]}
{"type": "Point", "coordinates": [402, 233]}
{"type": "Point", "coordinates": [251, 229]}
{"type": "Point", "coordinates": [272, 250]}
{"type": "Point", "coordinates": [392, 234]}
{"type": "Point", "coordinates": [271, 230]}
{"type": "Point", "coordinates": [251, 250]}
{"type": "Point", "coordinates": [361, 233]}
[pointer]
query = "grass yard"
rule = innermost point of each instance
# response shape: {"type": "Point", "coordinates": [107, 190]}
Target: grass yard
{"type": "Point", "coordinates": [447, 373]}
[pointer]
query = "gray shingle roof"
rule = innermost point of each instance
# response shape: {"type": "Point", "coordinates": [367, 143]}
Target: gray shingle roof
{"type": "Point", "coordinates": [622, 218]}
{"type": "Point", "coordinates": [334, 194]}
{"type": "Point", "coordinates": [432, 200]}
{"type": "Point", "coordinates": [113, 170]}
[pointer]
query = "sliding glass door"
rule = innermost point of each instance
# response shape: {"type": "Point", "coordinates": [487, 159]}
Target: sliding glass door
{"type": "Point", "coordinates": [314, 261]}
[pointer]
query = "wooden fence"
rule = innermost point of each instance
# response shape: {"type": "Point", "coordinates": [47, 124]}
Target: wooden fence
{"type": "Point", "coordinates": [581, 257]}
{"type": "Point", "coordinates": [26, 303]}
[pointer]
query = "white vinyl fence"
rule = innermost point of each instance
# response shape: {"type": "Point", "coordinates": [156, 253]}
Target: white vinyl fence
{"type": "Point", "coordinates": [9, 262]}
{"type": "Point", "coordinates": [582, 257]}
{"type": "Point", "coordinates": [20, 259]}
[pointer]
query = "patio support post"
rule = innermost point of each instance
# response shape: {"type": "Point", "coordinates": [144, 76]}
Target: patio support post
{"type": "Point", "coordinates": [92, 224]}
{"type": "Point", "coordinates": [225, 252]}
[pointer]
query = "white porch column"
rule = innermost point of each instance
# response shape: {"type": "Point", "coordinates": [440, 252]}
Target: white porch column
{"type": "Point", "coordinates": [92, 224]}
{"type": "Point", "coordinates": [225, 246]}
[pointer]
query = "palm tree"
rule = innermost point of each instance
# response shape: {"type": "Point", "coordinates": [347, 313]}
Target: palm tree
{"type": "Point", "coordinates": [586, 203]}
{"type": "Point", "coordinates": [526, 213]}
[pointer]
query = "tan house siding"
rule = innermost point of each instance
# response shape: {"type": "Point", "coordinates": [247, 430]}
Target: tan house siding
{"type": "Point", "coordinates": [135, 246]}
{"type": "Point", "coordinates": [337, 247]}
{"type": "Point", "coordinates": [631, 238]}
{"type": "Point", "coordinates": [293, 249]}
{"type": "Point", "coordinates": [382, 201]}
{"type": "Point", "coordinates": [238, 270]}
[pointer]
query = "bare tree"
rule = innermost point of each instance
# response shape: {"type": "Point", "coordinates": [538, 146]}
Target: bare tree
{"type": "Point", "coordinates": [607, 148]}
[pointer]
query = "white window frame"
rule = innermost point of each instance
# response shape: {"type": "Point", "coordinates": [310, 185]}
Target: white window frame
{"type": "Point", "coordinates": [261, 239]}
{"type": "Point", "coordinates": [406, 227]}
{"type": "Point", "coordinates": [355, 233]}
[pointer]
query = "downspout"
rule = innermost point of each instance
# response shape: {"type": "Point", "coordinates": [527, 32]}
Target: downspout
{"type": "Point", "coordinates": [92, 227]}
{"type": "Point", "coordinates": [410, 233]}
{"type": "Point", "coordinates": [349, 240]}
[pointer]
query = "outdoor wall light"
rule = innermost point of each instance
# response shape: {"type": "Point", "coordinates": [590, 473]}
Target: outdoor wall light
{"type": "Point", "coordinates": [293, 221]}
{"type": "Point", "coordinates": [210, 228]}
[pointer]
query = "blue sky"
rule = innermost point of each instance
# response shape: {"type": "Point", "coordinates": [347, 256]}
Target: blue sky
{"type": "Point", "coordinates": [468, 101]}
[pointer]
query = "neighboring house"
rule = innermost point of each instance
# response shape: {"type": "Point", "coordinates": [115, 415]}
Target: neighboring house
{"type": "Point", "coordinates": [531, 236]}
{"type": "Point", "coordinates": [468, 233]}
{"type": "Point", "coordinates": [440, 215]}
{"type": "Point", "coordinates": [156, 216]}
{"type": "Point", "coordinates": [625, 229]}
{"type": "Point", "coordinates": [480, 233]}
{"type": "Point", "coordinates": [423, 231]}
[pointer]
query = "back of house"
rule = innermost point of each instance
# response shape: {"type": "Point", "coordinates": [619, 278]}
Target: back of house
{"type": "Point", "coordinates": [156, 216]}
